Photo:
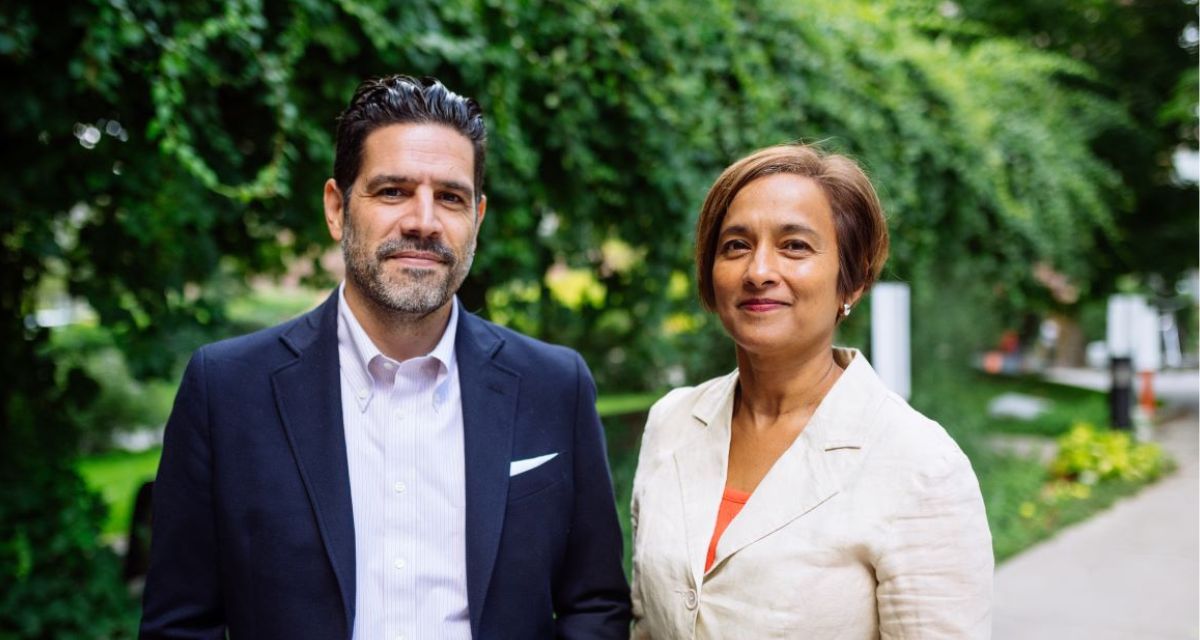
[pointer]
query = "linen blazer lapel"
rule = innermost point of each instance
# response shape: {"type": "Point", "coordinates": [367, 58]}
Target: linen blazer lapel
{"type": "Point", "coordinates": [489, 406]}
{"type": "Point", "coordinates": [308, 397]}
{"type": "Point", "coordinates": [824, 457]}
{"type": "Point", "coordinates": [701, 465]}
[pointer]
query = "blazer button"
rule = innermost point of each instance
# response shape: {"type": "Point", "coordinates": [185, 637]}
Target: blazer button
{"type": "Point", "coordinates": [689, 599]}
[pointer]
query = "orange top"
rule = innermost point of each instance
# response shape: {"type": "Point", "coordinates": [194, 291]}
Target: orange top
{"type": "Point", "coordinates": [731, 504]}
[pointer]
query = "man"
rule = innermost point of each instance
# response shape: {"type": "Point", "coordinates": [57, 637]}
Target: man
{"type": "Point", "coordinates": [389, 465]}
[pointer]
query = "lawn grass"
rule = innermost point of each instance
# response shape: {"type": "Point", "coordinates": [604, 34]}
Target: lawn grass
{"type": "Point", "coordinates": [1066, 405]}
{"type": "Point", "coordinates": [117, 477]}
{"type": "Point", "coordinates": [625, 403]}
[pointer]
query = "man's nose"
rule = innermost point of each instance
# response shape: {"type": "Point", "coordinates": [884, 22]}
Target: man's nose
{"type": "Point", "coordinates": [421, 218]}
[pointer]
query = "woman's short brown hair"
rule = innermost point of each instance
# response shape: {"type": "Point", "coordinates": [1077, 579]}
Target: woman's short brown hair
{"type": "Point", "coordinates": [862, 235]}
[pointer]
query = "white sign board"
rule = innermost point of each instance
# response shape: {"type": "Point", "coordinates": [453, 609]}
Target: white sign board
{"type": "Point", "coordinates": [1147, 340]}
{"type": "Point", "coordinates": [1123, 312]}
{"type": "Point", "coordinates": [890, 344]}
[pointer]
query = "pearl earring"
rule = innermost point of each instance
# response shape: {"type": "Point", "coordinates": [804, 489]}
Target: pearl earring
{"type": "Point", "coordinates": [846, 309]}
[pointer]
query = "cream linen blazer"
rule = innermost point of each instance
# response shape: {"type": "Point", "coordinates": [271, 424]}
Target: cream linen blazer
{"type": "Point", "coordinates": [870, 525]}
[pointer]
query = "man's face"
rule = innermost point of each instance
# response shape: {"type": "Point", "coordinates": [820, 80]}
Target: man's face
{"type": "Point", "coordinates": [410, 222]}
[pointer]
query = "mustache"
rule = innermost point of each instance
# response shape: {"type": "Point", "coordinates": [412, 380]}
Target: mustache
{"type": "Point", "coordinates": [426, 245]}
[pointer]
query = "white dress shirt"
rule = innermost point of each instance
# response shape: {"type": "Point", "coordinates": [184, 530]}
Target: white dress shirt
{"type": "Point", "coordinates": [404, 446]}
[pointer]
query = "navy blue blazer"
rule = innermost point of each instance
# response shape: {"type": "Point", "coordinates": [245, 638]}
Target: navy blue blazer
{"type": "Point", "coordinates": [253, 531]}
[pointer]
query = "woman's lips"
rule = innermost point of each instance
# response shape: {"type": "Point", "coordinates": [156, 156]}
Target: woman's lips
{"type": "Point", "coordinates": [761, 305]}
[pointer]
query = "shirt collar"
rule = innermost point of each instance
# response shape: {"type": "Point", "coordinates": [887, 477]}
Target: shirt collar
{"type": "Point", "coordinates": [443, 351]}
{"type": "Point", "coordinates": [358, 350]}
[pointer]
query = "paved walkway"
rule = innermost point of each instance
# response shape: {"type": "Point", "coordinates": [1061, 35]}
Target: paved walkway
{"type": "Point", "coordinates": [1132, 572]}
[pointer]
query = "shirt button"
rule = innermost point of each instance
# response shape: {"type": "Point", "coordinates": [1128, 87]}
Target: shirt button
{"type": "Point", "coordinates": [399, 564]}
{"type": "Point", "coordinates": [689, 599]}
{"type": "Point", "coordinates": [399, 487]}
{"type": "Point", "coordinates": [362, 394]}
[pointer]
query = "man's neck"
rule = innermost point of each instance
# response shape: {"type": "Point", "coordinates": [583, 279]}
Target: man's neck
{"type": "Point", "coordinates": [398, 335]}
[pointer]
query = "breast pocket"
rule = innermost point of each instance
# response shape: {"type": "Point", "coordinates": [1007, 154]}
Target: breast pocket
{"type": "Point", "coordinates": [540, 478]}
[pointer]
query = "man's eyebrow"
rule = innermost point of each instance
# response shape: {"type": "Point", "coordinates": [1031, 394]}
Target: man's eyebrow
{"type": "Point", "coordinates": [388, 178]}
{"type": "Point", "coordinates": [455, 185]}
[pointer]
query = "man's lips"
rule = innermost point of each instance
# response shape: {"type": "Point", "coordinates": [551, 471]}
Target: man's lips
{"type": "Point", "coordinates": [416, 258]}
{"type": "Point", "coordinates": [759, 305]}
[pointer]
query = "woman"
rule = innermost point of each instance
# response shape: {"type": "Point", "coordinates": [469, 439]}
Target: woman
{"type": "Point", "coordinates": [797, 497]}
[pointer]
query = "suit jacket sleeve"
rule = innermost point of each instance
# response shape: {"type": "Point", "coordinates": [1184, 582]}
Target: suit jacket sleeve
{"type": "Point", "coordinates": [591, 599]}
{"type": "Point", "coordinates": [182, 597]}
{"type": "Point", "coordinates": [935, 572]}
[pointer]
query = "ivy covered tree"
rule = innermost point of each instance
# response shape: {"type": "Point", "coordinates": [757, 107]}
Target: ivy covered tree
{"type": "Point", "coordinates": [1143, 53]}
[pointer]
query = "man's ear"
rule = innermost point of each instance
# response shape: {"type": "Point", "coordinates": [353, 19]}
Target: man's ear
{"type": "Point", "coordinates": [481, 210]}
{"type": "Point", "coordinates": [334, 216]}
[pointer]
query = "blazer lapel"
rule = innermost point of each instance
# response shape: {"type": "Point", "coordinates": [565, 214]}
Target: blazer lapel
{"type": "Point", "coordinates": [701, 467]}
{"type": "Point", "coordinates": [308, 397]}
{"type": "Point", "coordinates": [489, 403]}
{"type": "Point", "coordinates": [798, 482]}
{"type": "Point", "coordinates": [814, 468]}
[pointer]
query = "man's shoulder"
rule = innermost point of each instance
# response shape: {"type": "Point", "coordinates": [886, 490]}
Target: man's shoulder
{"type": "Point", "coordinates": [265, 345]}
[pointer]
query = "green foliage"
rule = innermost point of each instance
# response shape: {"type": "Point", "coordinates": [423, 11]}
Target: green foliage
{"type": "Point", "coordinates": [121, 403]}
{"type": "Point", "coordinates": [59, 580]}
{"type": "Point", "coordinates": [1089, 455]}
{"type": "Point", "coordinates": [1144, 63]}
{"type": "Point", "coordinates": [608, 121]}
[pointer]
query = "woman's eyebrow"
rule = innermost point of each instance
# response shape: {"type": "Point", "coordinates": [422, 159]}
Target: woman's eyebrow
{"type": "Point", "coordinates": [795, 227]}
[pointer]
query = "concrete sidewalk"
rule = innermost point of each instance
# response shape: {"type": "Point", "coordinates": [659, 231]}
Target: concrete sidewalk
{"type": "Point", "coordinates": [1132, 572]}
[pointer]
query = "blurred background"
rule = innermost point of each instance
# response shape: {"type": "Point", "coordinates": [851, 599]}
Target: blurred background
{"type": "Point", "coordinates": [163, 164]}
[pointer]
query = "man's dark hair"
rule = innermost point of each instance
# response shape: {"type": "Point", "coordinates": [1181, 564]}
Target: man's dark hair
{"type": "Point", "coordinates": [401, 99]}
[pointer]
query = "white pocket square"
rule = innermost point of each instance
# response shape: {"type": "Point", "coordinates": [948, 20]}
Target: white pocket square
{"type": "Point", "coordinates": [521, 466]}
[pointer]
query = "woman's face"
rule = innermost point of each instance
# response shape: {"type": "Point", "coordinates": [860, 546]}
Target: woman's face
{"type": "Point", "coordinates": [776, 269]}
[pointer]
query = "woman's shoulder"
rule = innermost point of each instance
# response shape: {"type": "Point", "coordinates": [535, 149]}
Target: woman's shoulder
{"type": "Point", "coordinates": [672, 414]}
{"type": "Point", "coordinates": [703, 397]}
{"type": "Point", "coordinates": [909, 436]}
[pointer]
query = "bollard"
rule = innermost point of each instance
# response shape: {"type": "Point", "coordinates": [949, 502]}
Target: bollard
{"type": "Point", "coordinates": [1120, 395]}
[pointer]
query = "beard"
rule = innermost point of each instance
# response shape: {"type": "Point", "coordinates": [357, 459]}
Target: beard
{"type": "Point", "coordinates": [408, 291]}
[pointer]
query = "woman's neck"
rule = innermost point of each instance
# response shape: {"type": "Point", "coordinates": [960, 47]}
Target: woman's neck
{"type": "Point", "coordinates": [778, 386]}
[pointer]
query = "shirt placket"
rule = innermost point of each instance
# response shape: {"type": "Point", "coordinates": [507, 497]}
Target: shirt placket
{"type": "Point", "coordinates": [401, 515]}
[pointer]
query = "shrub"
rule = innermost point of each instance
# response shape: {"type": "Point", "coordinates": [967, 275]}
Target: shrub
{"type": "Point", "coordinates": [59, 581]}
{"type": "Point", "coordinates": [1089, 455]}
